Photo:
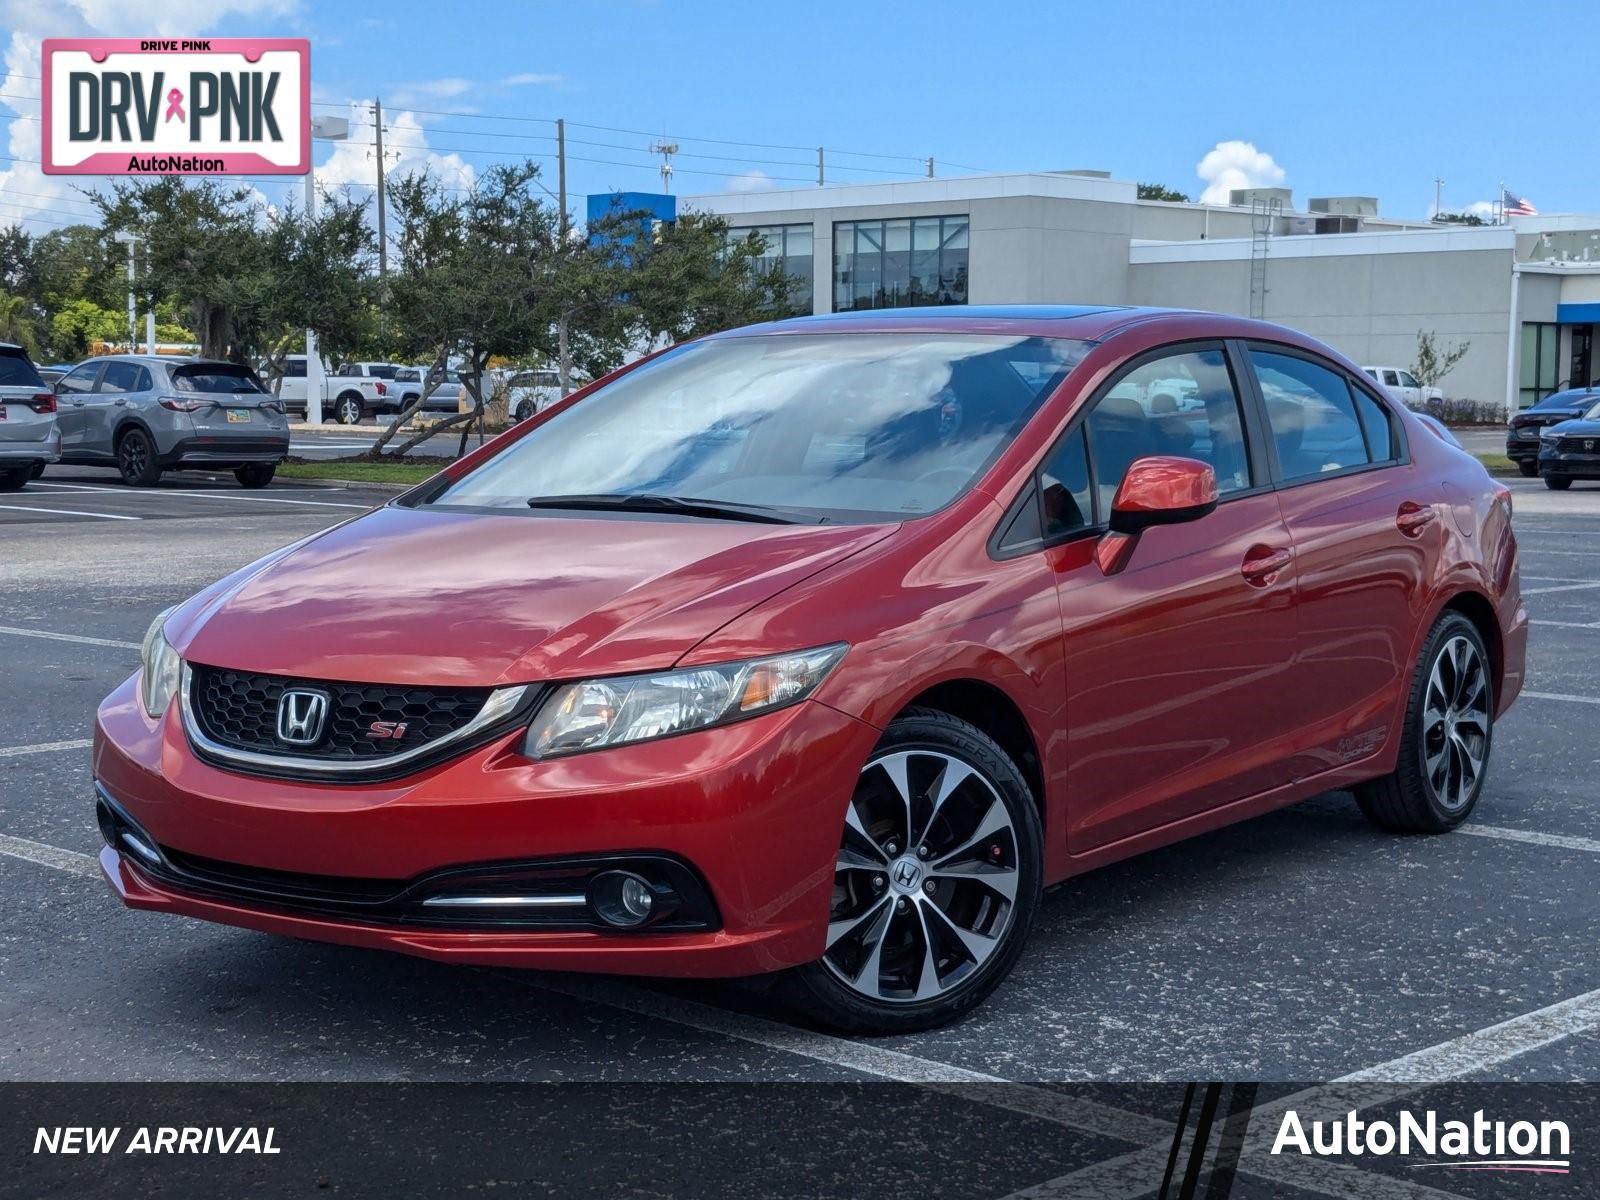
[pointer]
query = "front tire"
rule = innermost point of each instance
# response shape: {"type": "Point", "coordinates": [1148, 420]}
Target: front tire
{"type": "Point", "coordinates": [936, 883]}
{"type": "Point", "coordinates": [1558, 483]}
{"type": "Point", "coordinates": [1529, 469]}
{"type": "Point", "coordinates": [136, 459]}
{"type": "Point", "coordinates": [255, 475]}
{"type": "Point", "coordinates": [1444, 746]}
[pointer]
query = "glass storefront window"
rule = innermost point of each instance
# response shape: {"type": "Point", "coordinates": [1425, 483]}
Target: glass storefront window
{"type": "Point", "coordinates": [899, 262]}
{"type": "Point", "coordinates": [1538, 366]}
{"type": "Point", "coordinates": [788, 246]}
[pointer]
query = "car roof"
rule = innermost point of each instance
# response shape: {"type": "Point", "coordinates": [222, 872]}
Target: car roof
{"type": "Point", "coordinates": [1083, 322]}
{"type": "Point", "coordinates": [169, 360]}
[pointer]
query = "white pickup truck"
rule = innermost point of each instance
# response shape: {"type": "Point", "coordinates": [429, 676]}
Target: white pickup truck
{"type": "Point", "coordinates": [346, 397]}
{"type": "Point", "coordinates": [1403, 386]}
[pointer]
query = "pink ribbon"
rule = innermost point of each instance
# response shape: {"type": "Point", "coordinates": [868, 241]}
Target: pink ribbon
{"type": "Point", "coordinates": [175, 105]}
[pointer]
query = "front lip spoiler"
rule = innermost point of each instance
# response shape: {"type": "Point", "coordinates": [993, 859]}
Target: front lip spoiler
{"type": "Point", "coordinates": [504, 708]}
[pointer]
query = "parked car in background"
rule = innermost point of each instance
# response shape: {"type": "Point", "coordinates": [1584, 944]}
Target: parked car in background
{"type": "Point", "coordinates": [53, 373]}
{"type": "Point", "coordinates": [1522, 434]}
{"type": "Point", "coordinates": [1570, 450]}
{"type": "Point", "coordinates": [825, 647]}
{"type": "Point", "coordinates": [1403, 386]}
{"type": "Point", "coordinates": [345, 398]}
{"type": "Point", "coordinates": [29, 435]}
{"type": "Point", "coordinates": [145, 414]}
{"type": "Point", "coordinates": [408, 383]}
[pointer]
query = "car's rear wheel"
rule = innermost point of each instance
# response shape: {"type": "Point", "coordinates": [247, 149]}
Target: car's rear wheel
{"type": "Point", "coordinates": [38, 470]}
{"type": "Point", "coordinates": [1444, 747]}
{"type": "Point", "coordinates": [1558, 483]}
{"type": "Point", "coordinates": [136, 459]}
{"type": "Point", "coordinates": [349, 409]}
{"type": "Point", "coordinates": [255, 475]}
{"type": "Point", "coordinates": [1529, 469]}
{"type": "Point", "coordinates": [13, 479]}
{"type": "Point", "coordinates": [935, 885]}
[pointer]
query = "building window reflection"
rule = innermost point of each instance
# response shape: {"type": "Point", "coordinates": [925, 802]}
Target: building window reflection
{"type": "Point", "coordinates": [788, 246]}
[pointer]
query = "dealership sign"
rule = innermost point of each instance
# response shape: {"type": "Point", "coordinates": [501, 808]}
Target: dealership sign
{"type": "Point", "coordinates": [205, 106]}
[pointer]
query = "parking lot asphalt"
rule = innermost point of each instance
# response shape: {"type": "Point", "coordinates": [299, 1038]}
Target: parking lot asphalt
{"type": "Point", "coordinates": [1301, 945]}
{"type": "Point", "coordinates": [342, 441]}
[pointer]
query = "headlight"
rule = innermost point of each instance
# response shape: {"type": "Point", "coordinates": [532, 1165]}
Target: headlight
{"type": "Point", "coordinates": [162, 665]}
{"type": "Point", "coordinates": [634, 708]}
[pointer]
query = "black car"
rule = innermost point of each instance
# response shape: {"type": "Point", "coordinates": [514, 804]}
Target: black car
{"type": "Point", "coordinates": [1522, 436]}
{"type": "Point", "coordinates": [1570, 450]}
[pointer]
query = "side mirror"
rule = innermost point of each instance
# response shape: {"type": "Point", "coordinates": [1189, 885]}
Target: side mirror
{"type": "Point", "coordinates": [1163, 490]}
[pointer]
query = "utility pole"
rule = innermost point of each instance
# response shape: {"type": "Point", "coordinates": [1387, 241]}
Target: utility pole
{"type": "Point", "coordinates": [930, 166]}
{"type": "Point", "coordinates": [1438, 186]}
{"type": "Point", "coordinates": [563, 352]}
{"type": "Point", "coordinates": [821, 179]}
{"type": "Point", "coordinates": [130, 240]}
{"type": "Point", "coordinates": [383, 236]}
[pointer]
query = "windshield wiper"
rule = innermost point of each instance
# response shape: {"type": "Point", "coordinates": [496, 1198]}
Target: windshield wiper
{"type": "Point", "coordinates": [683, 506]}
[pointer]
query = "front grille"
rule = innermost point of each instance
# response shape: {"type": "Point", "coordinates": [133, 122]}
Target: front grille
{"type": "Point", "coordinates": [239, 709]}
{"type": "Point", "coordinates": [1580, 445]}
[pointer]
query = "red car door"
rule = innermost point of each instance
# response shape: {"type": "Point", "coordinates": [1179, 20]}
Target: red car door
{"type": "Point", "coordinates": [1179, 664]}
{"type": "Point", "coordinates": [1363, 527]}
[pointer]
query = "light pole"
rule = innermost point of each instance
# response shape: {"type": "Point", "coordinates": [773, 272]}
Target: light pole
{"type": "Point", "coordinates": [130, 240]}
{"type": "Point", "coordinates": [329, 129]}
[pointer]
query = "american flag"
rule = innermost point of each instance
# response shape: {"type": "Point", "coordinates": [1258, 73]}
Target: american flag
{"type": "Point", "coordinates": [1516, 206]}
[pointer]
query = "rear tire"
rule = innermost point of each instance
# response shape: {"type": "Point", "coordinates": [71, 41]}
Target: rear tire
{"type": "Point", "coordinates": [349, 409]}
{"type": "Point", "coordinates": [1528, 469]}
{"type": "Point", "coordinates": [13, 479]}
{"type": "Point", "coordinates": [38, 470]}
{"type": "Point", "coordinates": [1558, 483]}
{"type": "Point", "coordinates": [255, 475]}
{"type": "Point", "coordinates": [136, 459]}
{"type": "Point", "coordinates": [900, 957]}
{"type": "Point", "coordinates": [1446, 739]}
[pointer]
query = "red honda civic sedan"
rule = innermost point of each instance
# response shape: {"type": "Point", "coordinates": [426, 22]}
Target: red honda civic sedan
{"type": "Point", "coordinates": [824, 647]}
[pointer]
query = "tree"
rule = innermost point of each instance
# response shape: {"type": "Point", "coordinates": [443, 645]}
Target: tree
{"type": "Point", "coordinates": [1458, 218]}
{"type": "Point", "coordinates": [18, 323]}
{"type": "Point", "coordinates": [689, 281]}
{"type": "Point", "coordinates": [1157, 191]}
{"type": "Point", "coordinates": [1435, 360]}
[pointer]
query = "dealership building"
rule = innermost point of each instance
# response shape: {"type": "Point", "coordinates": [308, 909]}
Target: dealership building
{"type": "Point", "coordinates": [1524, 296]}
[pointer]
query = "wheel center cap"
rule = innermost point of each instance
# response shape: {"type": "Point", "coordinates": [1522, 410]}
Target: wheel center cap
{"type": "Point", "coordinates": [906, 874]}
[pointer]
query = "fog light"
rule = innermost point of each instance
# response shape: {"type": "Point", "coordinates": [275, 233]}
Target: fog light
{"type": "Point", "coordinates": [622, 899]}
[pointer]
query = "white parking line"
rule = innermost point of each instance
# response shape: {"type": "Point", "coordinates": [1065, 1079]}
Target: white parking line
{"type": "Point", "coordinates": [1560, 841]}
{"type": "Point", "coordinates": [51, 635]}
{"type": "Point", "coordinates": [1565, 624]}
{"type": "Point", "coordinates": [1561, 587]}
{"type": "Point", "coordinates": [45, 747]}
{"type": "Point", "coordinates": [151, 494]}
{"type": "Point", "coordinates": [1562, 696]}
{"type": "Point", "coordinates": [1556, 579]}
{"type": "Point", "coordinates": [69, 512]}
{"type": "Point", "coordinates": [69, 861]}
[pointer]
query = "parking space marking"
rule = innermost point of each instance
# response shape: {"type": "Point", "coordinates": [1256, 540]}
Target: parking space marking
{"type": "Point", "coordinates": [45, 747]}
{"type": "Point", "coordinates": [157, 493]}
{"type": "Point", "coordinates": [1561, 587]}
{"type": "Point", "coordinates": [1556, 579]}
{"type": "Point", "coordinates": [69, 861]}
{"type": "Point", "coordinates": [53, 636]}
{"type": "Point", "coordinates": [1562, 696]}
{"type": "Point", "coordinates": [1565, 624]}
{"type": "Point", "coordinates": [1559, 840]}
{"type": "Point", "coordinates": [69, 512]}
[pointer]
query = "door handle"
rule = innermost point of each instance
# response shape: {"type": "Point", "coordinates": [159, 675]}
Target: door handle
{"type": "Point", "coordinates": [119, 402]}
{"type": "Point", "coordinates": [77, 404]}
{"type": "Point", "coordinates": [1262, 564]}
{"type": "Point", "coordinates": [1413, 518]}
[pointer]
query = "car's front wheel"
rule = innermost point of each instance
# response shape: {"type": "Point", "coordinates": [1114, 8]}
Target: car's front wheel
{"type": "Point", "coordinates": [1558, 483]}
{"type": "Point", "coordinates": [936, 882]}
{"type": "Point", "coordinates": [1529, 468]}
{"type": "Point", "coordinates": [1444, 747]}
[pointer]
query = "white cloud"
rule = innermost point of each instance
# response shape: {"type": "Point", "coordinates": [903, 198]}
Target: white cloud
{"type": "Point", "coordinates": [1236, 164]}
{"type": "Point", "coordinates": [753, 180]}
{"type": "Point", "coordinates": [405, 144]}
{"type": "Point", "coordinates": [527, 78]}
{"type": "Point", "coordinates": [424, 90]}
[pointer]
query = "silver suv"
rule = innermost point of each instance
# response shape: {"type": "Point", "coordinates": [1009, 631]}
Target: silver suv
{"type": "Point", "coordinates": [28, 436]}
{"type": "Point", "coordinates": [145, 414]}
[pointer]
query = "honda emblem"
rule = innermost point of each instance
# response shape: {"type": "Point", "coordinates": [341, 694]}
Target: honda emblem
{"type": "Point", "coordinates": [302, 713]}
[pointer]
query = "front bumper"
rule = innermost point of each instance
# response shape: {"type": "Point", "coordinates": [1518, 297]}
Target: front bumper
{"type": "Point", "coordinates": [1576, 464]}
{"type": "Point", "coordinates": [754, 809]}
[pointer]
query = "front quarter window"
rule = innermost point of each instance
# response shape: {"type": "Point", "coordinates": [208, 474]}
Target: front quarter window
{"type": "Point", "coordinates": [831, 427]}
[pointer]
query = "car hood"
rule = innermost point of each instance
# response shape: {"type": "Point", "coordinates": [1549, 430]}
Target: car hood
{"type": "Point", "coordinates": [435, 597]}
{"type": "Point", "coordinates": [1574, 429]}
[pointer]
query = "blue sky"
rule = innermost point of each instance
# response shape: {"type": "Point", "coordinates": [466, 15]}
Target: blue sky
{"type": "Point", "coordinates": [1357, 97]}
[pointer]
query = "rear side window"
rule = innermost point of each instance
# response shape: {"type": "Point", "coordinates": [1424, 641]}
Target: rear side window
{"type": "Point", "coordinates": [124, 377]}
{"type": "Point", "coordinates": [17, 371]}
{"type": "Point", "coordinates": [295, 368]}
{"type": "Point", "coordinates": [1311, 414]}
{"type": "Point", "coordinates": [1378, 426]}
{"type": "Point", "coordinates": [216, 377]}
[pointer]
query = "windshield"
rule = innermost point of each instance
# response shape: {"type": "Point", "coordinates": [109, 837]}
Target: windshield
{"type": "Point", "coordinates": [215, 377]}
{"type": "Point", "coordinates": [857, 426]}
